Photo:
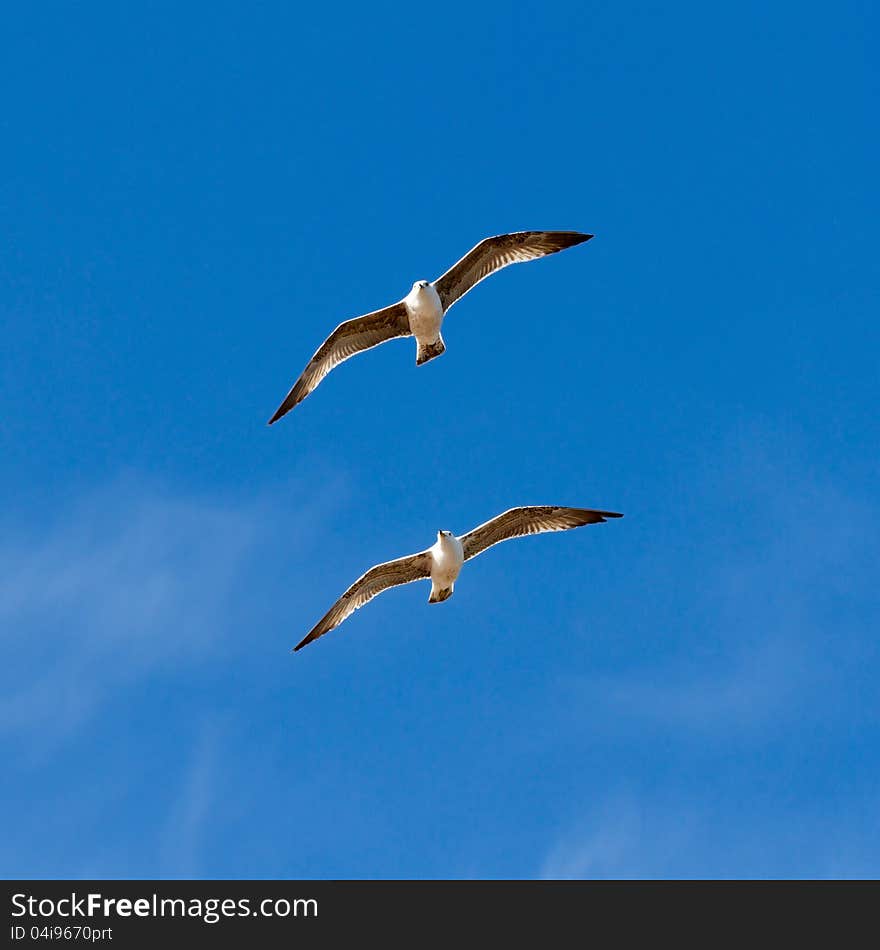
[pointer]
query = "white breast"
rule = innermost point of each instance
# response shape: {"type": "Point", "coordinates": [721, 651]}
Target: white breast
{"type": "Point", "coordinates": [447, 556]}
{"type": "Point", "coordinates": [425, 313]}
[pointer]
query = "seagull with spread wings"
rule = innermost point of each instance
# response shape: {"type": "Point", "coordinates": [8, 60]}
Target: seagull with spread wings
{"type": "Point", "coordinates": [443, 561]}
{"type": "Point", "coordinates": [421, 312]}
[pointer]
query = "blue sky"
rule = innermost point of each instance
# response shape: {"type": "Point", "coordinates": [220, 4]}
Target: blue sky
{"type": "Point", "coordinates": [192, 197]}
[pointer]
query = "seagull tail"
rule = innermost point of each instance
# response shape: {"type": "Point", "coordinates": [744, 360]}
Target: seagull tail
{"type": "Point", "coordinates": [438, 596]}
{"type": "Point", "coordinates": [427, 351]}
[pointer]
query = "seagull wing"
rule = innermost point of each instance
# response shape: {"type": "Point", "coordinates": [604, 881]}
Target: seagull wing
{"type": "Point", "coordinates": [493, 253]}
{"type": "Point", "coordinates": [404, 570]}
{"type": "Point", "coordinates": [348, 338]}
{"type": "Point", "coordinates": [518, 522]}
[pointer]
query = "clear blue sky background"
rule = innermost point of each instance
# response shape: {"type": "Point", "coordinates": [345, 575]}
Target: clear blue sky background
{"type": "Point", "coordinates": [192, 196]}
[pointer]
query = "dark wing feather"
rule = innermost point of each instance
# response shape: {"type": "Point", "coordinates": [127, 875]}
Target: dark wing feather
{"type": "Point", "coordinates": [348, 338]}
{"type": "Point", "coordinates": [518, 522]}
{"type": "Point", "coordinates": [404, 570]}
{"type": "Point", "coordinates": [493, 253]}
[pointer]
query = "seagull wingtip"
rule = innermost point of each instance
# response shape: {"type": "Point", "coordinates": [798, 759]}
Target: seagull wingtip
{"type": "Point", "coordinates": [304, 642]}
{"type": "Point", "coordinates": [573, 238]}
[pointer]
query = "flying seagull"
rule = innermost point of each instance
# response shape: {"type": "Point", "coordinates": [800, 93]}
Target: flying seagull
{"type": "Point", "coordinates": [422, 310]}
{"type": "Point", "coordinates": [443, 560]}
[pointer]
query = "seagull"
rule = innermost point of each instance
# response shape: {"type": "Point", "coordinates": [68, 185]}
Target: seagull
{"type": "Point", "coordinates": [421, 312]}
{"type": "Point", "coordinates": [442, 562]}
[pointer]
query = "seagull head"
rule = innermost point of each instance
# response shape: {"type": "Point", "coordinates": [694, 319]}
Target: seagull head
{"type": "Point", "coordinates": [421, 284]}
{"type": "Point", "coordinates": [443, 534]}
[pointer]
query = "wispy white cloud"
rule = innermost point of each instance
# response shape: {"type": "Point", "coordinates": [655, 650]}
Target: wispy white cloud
{"type": "Point", "coordinates": [182, 838]}
{"type": "Point", "coordinates": [764, 618]}
{"type": "Point", "coordinates": [775, 641]}
{"type": "Point", "coordinates": [132, 580]}
{"type": "Point", "coordinates": [601, 846]}
{"type": "Point", "coordinates": [663, 836]}
{"type": "Point", "coordinates": [760, 684]}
